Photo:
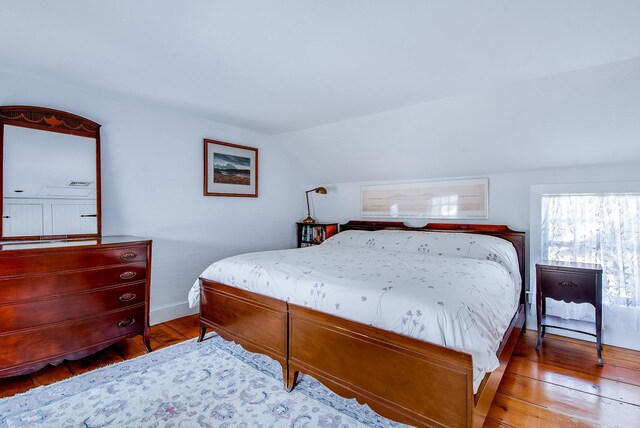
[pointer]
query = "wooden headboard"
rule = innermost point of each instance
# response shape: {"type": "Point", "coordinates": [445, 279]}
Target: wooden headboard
{"type": "Point", "coordinates": [501, 231]}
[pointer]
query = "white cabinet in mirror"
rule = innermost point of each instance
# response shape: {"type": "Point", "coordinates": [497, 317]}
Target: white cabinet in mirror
{"type": "Point", "coordinates": [49, 183]}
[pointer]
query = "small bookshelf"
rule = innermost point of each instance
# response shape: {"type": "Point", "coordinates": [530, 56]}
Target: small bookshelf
{"type": "Point", "coordinates": [310, 234]}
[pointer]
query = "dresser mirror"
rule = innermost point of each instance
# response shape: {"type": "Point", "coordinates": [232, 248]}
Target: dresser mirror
{"type": "Point", "coordinates": [50, 174]}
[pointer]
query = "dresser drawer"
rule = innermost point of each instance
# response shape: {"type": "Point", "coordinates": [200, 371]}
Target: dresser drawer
{"type": "Point", "coordinates": [569, 286]}
{"type": "Point", "coordinates": [21, 262]}
{"type": "Point", "coordinates": [42, 285]}
{"type": "Point", "coordinates": [42, 312]}
{"type": "Point", "coordinates": [58, 341]}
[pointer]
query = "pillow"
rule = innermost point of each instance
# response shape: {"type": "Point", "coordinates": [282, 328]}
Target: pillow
{"type": "Point", "coordinates": [482, 247]}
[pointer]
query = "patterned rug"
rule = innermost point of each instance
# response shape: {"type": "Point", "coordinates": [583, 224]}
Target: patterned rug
{"type": "Point", "coordinates": [211, 384]}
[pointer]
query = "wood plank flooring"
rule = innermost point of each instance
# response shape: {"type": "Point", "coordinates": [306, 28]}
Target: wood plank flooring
{"type": "Point", "coordinates": [561, 385]}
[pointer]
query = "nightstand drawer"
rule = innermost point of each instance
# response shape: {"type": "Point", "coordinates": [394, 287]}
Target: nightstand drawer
{"type": "Point", "coordinates": [568, 286]}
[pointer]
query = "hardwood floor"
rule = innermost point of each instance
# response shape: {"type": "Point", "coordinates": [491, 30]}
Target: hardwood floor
{"type": "Point", "coordinates": [561, 385]}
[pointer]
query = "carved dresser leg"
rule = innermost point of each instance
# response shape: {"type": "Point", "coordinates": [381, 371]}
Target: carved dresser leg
{"type": "Point", "coordinates": [203, 331]}
{"type": "Point", "coordinates": [147, 340]}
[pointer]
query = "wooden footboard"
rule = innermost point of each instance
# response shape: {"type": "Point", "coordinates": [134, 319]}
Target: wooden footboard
{"type": "Point", "coordinates": [405, 379]}
{"type": "Point", "coordinates": [256, 322]}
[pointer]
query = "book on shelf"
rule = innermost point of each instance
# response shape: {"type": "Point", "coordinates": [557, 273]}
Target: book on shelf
{"type": "Point", "coordinates": [314, 234]}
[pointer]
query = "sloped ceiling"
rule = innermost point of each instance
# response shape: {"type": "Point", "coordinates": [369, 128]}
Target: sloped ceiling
{"type": "Point", "coordinates": [277, 66]}
{"type": "Point", "coordinates": [580, 118]}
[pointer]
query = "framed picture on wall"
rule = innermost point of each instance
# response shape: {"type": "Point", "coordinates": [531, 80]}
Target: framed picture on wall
{"type": "Point", "coordinates": [451, 199]}
{"type": "Point", "coordinates": [230, 169]}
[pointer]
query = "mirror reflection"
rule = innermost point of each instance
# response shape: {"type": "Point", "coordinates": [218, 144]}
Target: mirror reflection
{"type": "Point", "coordinates": [49, 183]}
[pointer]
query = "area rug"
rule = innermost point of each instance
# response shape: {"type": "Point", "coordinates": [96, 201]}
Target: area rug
{"type": "Point", "coordinates": [210, 384]}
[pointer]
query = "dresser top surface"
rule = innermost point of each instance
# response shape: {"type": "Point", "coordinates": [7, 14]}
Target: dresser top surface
{"type": "Point", "coordinates": [569, 265]}
{"type": "Point", "coordinates": [66, 243]}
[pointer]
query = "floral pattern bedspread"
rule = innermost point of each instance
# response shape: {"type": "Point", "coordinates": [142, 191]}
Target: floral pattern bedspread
{"type": "Point", "coordinates": [452, 289]}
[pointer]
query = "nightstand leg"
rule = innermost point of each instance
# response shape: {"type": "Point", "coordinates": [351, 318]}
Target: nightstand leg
{"type": "Point", "coordinates": [598, 306]}
{"type": "Point", "coordinates": [600, 362]}
{"type": "Point", "coordinates": [544, 330]}
{"type": "Point", "coordinates": [539, 318]}
{"type": "Point", "coordinates": [599, 349]}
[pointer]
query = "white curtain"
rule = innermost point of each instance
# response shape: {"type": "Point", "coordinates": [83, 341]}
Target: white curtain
{"type": "Point", "coordinates": [597, 228]}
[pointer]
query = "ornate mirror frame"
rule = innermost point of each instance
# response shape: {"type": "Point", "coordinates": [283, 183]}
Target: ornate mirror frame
{"type": "Point", "coordinates": [51, 120]}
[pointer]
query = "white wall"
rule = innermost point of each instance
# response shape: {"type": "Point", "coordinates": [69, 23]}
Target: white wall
{"type": "Point", "coordinates": [152, 179]}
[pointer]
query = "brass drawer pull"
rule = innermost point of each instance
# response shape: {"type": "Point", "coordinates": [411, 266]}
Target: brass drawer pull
{"type": "Point", "coordinates": [127, 322]}
{"type": "Point", "coordinates": [128, 275]}
{"type": "Point", "coordinates": [128, 256]}
{"type": "Point", "coordinates": [127, 297]}
{"type": "Point", "coordinates": [567, 284]}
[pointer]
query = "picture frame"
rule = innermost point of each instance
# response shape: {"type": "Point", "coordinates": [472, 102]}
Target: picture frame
{"type": "Point", "coordinates": [230, 169]}
{"type": "Point", "coordinates": [463, 199]}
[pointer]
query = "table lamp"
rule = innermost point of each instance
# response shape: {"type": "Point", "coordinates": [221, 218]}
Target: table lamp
{"type": "Point", "coordinates": [319, 190]}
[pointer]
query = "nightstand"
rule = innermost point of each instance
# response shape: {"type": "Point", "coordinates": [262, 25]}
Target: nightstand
{"type": "Point", "coordinates": [569, 282]}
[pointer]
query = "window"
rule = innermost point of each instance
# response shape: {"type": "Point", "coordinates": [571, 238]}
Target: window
{"type": "Point", "coordinates": [597, 228]}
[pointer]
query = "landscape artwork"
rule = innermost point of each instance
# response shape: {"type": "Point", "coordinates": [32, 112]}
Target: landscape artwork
{"type": "Point", "coordinates": [230, 169]}
{"type": "Point", "coordinates": [452, 199]}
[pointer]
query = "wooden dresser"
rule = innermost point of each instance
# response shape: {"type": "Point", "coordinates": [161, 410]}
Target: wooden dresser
{"type": "Point", "coordinates": [67, 299]}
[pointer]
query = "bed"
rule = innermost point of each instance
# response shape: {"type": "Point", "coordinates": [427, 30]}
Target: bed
{"type": "Point", "coordinates": [418, 323]}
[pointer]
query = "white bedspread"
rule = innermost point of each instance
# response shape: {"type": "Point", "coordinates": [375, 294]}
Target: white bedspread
{"type": "Point", "coordinates": [452, 289]}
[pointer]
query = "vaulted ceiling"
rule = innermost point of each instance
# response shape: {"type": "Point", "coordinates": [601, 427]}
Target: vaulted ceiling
{"type": "Point", "coordinates": [277, 66]}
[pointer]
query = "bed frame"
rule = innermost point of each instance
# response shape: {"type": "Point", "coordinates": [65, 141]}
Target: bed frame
{"type": "Point", "coordinates": [405, 379]}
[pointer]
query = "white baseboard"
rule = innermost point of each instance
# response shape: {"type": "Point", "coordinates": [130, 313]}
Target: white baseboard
{"type": "Point", "coordinates": [171, 312]}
